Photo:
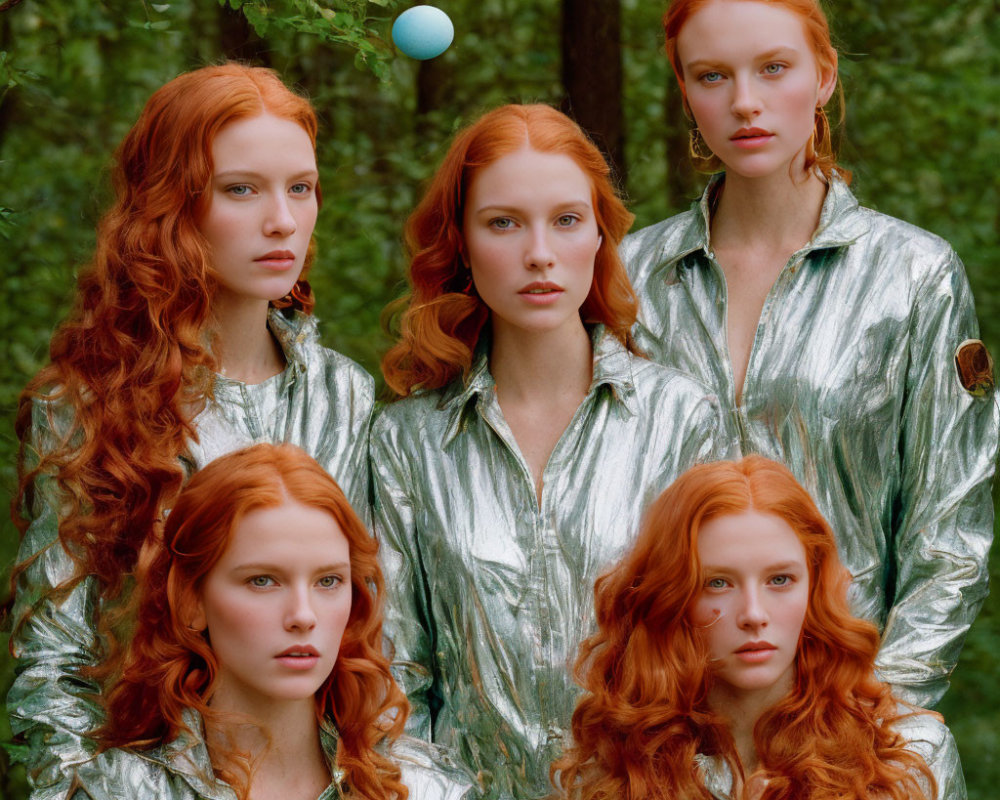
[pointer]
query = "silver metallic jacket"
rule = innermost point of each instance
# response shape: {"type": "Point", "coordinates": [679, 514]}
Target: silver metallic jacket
{"type": "Point", "coordinates": [852, 383]}
{"type": "Point", "coordinates": [182, 770]}
{"type": "Point", "coordinates": [490, 591]}
{"type": "Point", "coordinates": [321, 402]}
{"type": "Point", "coordinates": [924, 734]}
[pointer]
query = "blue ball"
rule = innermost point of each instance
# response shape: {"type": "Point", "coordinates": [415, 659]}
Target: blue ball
{"type": "Point", "coordinates": [423, 32]}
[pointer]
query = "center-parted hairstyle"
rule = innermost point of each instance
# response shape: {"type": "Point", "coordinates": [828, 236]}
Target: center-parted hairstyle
{"type": "Point", "coordinates": [817, 30]}
{"type": "Point", "coordinates": [133, 358]}
{"type": "Point", "coordinates": [443, 316]}
{"type": "Point", "coordinates": [169, 666]}
{"type": "Point", "coordinates": [646, 672]}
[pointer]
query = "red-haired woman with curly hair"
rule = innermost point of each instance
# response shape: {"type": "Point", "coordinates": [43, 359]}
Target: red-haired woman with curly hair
{"type": "Point", "coordinates": [191, 336]}
{"type": "Point", "coordinates": [727, 664]}
{"type": "Point", "coordinates": [527, 441]}
{"type": "Point", "coordinates": [255, 666]}
{"type": "Point", "coordinates": [840, 341]}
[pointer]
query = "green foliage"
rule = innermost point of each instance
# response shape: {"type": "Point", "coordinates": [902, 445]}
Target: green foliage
{"type": "Point", "coordinates": [336, 22]}
{"type": "Point", "coordinates": [922, 137]}
{"type": "Point", "coordinates": [6, 221]}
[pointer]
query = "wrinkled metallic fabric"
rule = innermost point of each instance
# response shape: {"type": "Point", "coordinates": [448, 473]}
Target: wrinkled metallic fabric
{"type": "Point", "coordinates": [924, 734]}
{"type": "Point", "coordinates": [490, 592]}
{"type": "Point", "coordinates": [852, 383]}
{"type": "Point", "coordinates": [182, 770]}
{"type": "Point", "coordinates": [321, 402]}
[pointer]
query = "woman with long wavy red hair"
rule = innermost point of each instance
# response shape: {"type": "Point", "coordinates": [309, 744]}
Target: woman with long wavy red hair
{"type": "Point", "coordinates": [840, 341]}
{"type": "Point", "coordinates": [527, 440]}
{"type": "Point", "coordinates": [255, 668]}
{"type": "Point", "coordinates": [191, 336]}
{"type": "Point", "coordinates": [727, 663]}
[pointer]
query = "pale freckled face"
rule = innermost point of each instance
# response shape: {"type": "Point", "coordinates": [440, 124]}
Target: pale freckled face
{"type": "Point", "coordinates": [755, 591]}
{"type": "Point", "coordinates": [531, 236]}
{"type": "Point", "coordinates": [262, 207]}
{"type": "Point", "coordinates": [753, 83]}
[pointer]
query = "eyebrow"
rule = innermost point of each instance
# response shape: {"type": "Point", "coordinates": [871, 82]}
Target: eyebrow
{"type": "Point", "coordinates": [265, 567]}
{"type": "Point", "coordinates": [784, 565]}
{"type": "Point", "coordinates": [765, 56]}
{"type": "Point", "coordinates": [778, 567]}
{"type": "Point", "coordinates": [229, 174]}
{"type": "Point", "coordinates": [502, 209]}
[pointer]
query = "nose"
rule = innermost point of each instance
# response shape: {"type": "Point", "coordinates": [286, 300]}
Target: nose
{"type": "Point", "coordinates": [279, 220]}
{"type": "Point", "coordinates": [746, 101]}
{"type": "Point", "coordinates": [539, 254]}
{"type": "Point", "coordinates": [752, 613]}
{"type": "Point", "coordinates": [300, 615]}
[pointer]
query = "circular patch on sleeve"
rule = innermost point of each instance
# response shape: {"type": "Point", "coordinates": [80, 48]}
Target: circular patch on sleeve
{"type": "Point", "coordinates": [975, 367]}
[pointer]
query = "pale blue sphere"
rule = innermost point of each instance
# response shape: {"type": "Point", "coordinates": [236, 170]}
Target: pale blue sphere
{"type": "Point", "coordinates": [423, 32]}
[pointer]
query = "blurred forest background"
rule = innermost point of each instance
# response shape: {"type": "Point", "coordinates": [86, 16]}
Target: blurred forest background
{"type": "Point", "coordinates": [922, 135]}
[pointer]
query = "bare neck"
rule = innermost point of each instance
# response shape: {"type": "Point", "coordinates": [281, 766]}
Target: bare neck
{"type": "Point", "coordinates": [776, 213]}
{"type": "Point", "coordinates": [246, 349]}
{"type": "Point", "coordinates": [742, 710]}
{"type": "Point", "coordinates": [283, 742]}
{"type": "Point", "coordinates": [534, 367]}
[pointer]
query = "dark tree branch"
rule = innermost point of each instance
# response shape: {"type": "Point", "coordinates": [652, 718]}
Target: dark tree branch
{"type": "Point", "coordinates": [7, 5]}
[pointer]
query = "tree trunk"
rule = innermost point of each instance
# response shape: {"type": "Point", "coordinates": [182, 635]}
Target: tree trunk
{"type": "Point", "coordinates": [592, 74]}
{"type": "Point", "coordinates": [682, 180]}
{"type": "Point", "coordinates": [239, 41]}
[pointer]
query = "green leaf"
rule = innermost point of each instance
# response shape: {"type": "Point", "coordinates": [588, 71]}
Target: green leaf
{"type": "Point", "coordinates": [18, 751]}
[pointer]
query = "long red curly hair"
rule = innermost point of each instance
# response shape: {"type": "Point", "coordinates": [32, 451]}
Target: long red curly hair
{"type": "Point", "coordinates": [443, 317]}
{"type": "Point", "coordinates": [133, 360]}
{"type": "Point", "coordinates": [817, 29]}
{"type": "Point", "coordinates": [646, 673]}
{"type": "Point", "coordinates": [168, 666]}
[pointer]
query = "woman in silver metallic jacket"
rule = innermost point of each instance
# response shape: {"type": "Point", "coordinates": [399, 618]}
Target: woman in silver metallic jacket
{"type": "Point", "coordinates": [191, 337]}
{"type": "Point", "coordinates": [727, 664]}
{"type": "Point", "coordinates": [527, 442]}
{"type": "Point", "coordinates": [255, 668]}
{"type": "Point", "coordinates": [839, 341]}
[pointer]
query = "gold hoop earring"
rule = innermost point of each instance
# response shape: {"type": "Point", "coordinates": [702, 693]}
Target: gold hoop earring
{"type": "Point", "coordinates": [698, 147]}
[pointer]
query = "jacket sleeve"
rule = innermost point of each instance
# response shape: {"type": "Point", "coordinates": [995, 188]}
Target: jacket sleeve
{"type": "Point", "coordinates": [408, 627]}
{"type": "Point", "coordinates": [362, 407]}
{"type": "Point", "coordinates": [927, 736]}
{"type": "Point", "coordinates": [52, 706]}
{"type": "Point", "coordinates": [944, 518]}
{"type": "Point", "coordinates": [122, 775]}
{"type": "Point", "coordinates": [946, 765]}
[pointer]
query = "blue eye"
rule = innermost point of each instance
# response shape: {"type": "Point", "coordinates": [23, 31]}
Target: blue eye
{"type": "Point", "coordinates": [781, 580]}
{"type": "Point", "coordinates": [711, 77]}
{"type": "Point", "coordinates": [240, 190]}
{"type": "Point", "coordinates": [261, 581]}
{"type": "Point", "coordinates": [716, 583]}
{"type": "Point", "coordinates": [300, 188]}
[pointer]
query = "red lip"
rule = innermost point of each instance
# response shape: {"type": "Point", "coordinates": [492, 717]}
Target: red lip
{"type": "Point", "coordinates": [750, 133]}
{"type": "Point", "coordinates": [277, 255]}
{"type": "Point", "coordinates": [753, 646]}
{"type": "Point", "coordinates": [299, 650]}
